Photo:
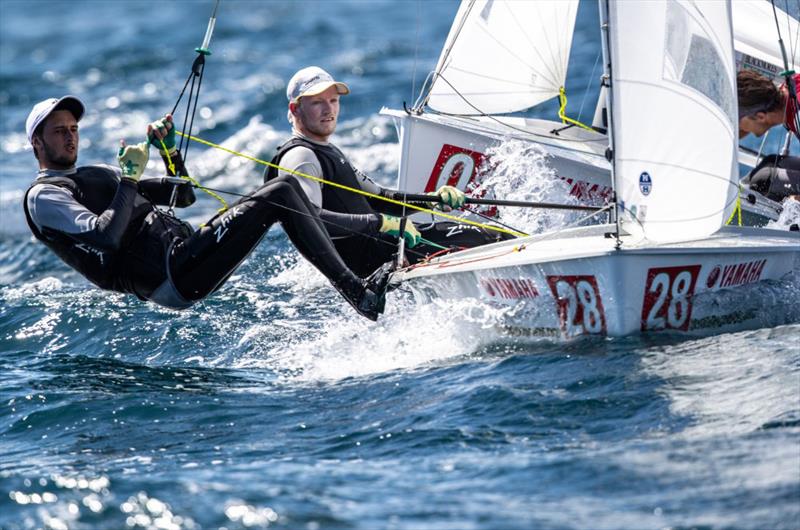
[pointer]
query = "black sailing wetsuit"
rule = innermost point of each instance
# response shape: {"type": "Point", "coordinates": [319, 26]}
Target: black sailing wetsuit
{"type": "Point", "coordinates": [776, 177]}
{"type": "Point", "coordinates": [109, 230]}
{"type": "Point", "coordinates": [353, 220]}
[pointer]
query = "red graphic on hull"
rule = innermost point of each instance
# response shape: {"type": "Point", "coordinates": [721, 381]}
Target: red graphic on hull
{"type": "Point", "coordinates": [742, 273]}
{"type": "Point", "coordinates": [510, 288]}
{"type": "Point", "coordinates": [580, 307]}
{"type": "Point", "coordinates": [455, 166]}
{"type": "Point", "coordinates": [713, 276]}
{"type": "Point", "coordinates": [587, 192]}
{"type": "Point", "coordinates": [668, 295]}
{"type": "Point", "coordinates": [459, 167]}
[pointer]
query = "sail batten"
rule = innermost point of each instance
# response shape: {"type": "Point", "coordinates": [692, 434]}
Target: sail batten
{"type": "Point", "coordinates": [495, 47]}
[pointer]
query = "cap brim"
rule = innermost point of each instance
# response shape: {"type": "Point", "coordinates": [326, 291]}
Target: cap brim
{"type": "Point", "coordinates": [341, 88]}
{"type": "Point", "coordinates": [43, 109]}
{"type": "Point", "coordinates": [72, 104]}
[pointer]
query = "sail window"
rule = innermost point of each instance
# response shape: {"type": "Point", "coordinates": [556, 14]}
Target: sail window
{"type": "Point", "coordinates": [692, 59]}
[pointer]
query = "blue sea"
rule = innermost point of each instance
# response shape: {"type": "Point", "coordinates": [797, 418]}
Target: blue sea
{"type": "Point", "coordinates": [271, 404]}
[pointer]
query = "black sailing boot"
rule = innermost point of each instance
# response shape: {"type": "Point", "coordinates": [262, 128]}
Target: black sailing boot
{"type": "Point", "coordinates": [364, 300]}
{"type": "Point", "coordinates": [378, 281]}
{"type": "Point", "coordinates": [368, 296]}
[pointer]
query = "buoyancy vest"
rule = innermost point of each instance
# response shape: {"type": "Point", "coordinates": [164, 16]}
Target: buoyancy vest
{"type": "Point", "coordinates": [139, 266]}
{"type": "Point", "coordinates": [335, 168]}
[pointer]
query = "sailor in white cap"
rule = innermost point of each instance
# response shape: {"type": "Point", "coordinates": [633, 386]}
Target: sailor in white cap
{"type": "Point", "coordinates": [57, 146]}
{"type": "Point", "coordinates": [104, 221]}
{"type": "Point", "coordinates": [365, 231]}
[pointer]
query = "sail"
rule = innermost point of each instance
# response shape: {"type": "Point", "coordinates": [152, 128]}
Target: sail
{"type": "Point", "coordinates": [503, 56]}
{"type": "Point", "coordinates": [674, 116]}
{"type": "Point", "coordinates": [755, 37]}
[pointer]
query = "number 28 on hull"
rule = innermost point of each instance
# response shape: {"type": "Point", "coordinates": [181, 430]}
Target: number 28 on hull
{"type": "Point", "coordinates": [621, 292]}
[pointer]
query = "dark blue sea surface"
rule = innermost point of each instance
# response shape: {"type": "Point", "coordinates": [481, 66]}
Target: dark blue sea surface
{"type": "Point", "coordinates": [272, 404]}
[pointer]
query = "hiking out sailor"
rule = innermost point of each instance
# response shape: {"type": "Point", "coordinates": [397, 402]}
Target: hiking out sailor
{"type": "Point", "coordinates": [762, 106]}
{"type": "Point", "coordinates": [104, 221]}
{"type": "Point", "coordinates": [364, 229]}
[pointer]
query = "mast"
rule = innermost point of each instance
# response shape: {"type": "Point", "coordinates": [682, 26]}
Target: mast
{"type": "Point", "coordinates": [604, 36]}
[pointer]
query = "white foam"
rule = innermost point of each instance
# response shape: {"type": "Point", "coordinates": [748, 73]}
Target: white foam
{"type": "Point", "coordinates": [790, 215]}
{"type": "Point", "coordinates": [331, 342]}
{"type": "Point", "coordinates": [46, 285]}
{"type": "Point", "coordinates": [218, 168]}
{"type": "Point", "coordinates": [520, 171]}
{"type": "Point", "coordinates": [299, 276]}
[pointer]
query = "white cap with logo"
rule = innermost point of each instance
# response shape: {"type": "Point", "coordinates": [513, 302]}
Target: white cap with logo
{"type": "Point", "coordinates": [43, 109]}
{"type": "Point", "coordinates": [311, 81]}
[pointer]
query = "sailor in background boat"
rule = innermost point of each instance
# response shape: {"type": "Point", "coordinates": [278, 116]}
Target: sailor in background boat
{"type": "Point", "coordinates": [762, 106]}
{"type": "Point", "coordinates": [104, 223]}
{"type": "Point", "coordinates": [364, 230]}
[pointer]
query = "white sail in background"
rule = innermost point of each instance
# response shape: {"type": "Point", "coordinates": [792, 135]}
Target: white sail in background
{"type": "Point", "coordinates": [755, 37]}
{"type": "Point", "coordinates": [674, 116]}
{"type": "Point", "coordinates": [504, 56]}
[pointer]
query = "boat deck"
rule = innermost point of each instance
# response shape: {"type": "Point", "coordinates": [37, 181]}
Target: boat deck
{"type": "Point", "coordinates": [593, 241]}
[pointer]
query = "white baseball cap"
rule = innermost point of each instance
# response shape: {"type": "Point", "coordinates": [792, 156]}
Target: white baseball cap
{"type": "Point", "coordinates": [311, 81]}
{"type": "Point", "coordinates": [43, 109]}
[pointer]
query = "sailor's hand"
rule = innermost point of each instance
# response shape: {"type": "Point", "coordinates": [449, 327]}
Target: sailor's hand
{"type": "Point", "coordinates": [450, 198]}
{"type": "Point", "coordinates": [391, 225]}
{"type": "Point", "coordinates": [161, 134]}
{"type": "Point", "coordinates": [132, 159]}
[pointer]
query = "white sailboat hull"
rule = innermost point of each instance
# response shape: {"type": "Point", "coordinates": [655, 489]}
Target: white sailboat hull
{"type": "Point", "coordinates": [577, 283]}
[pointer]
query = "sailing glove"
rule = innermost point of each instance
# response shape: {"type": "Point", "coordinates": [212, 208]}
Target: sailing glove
{"type": "Point", "coordinates": [161, 134]}
{"type": "Point", "coordinates": [132, 159]}
{"type": "Point", "coordinates": [391, 225]}
{"type": "Point", "coordinates": [450, 198]}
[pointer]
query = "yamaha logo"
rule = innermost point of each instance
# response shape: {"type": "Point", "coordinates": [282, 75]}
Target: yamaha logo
{"type": "Point", "coordinates": [713, 276]}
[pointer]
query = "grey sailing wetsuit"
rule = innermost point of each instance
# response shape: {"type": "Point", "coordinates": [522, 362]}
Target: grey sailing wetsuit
{"type": "Point", "coordinates": [109, 229]}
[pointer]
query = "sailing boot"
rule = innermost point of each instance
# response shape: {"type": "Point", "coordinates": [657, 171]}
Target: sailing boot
{"type": "Point", "coordinates": [378, 282]}
{"type": "Point", "coordinates": [358, 294]}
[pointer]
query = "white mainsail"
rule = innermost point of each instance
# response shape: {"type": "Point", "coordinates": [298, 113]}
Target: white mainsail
{"type": "Point", "coordinates": [674, 116]}
{"type": "Point", "coordinates": [503, 56]}
{"type": "Point", "coordinates": [755, 37]}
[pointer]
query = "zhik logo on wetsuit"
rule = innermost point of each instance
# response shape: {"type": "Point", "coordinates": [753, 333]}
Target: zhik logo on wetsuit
{"type": "Point", "coordinates": [224, 221]}
{"type": "Point", "coordinates": [91, 250]}
{"type": "Point", "coordinates": [460, 228]}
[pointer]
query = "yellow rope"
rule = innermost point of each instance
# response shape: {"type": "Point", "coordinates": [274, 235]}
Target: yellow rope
{"type": "Point", "coordinates": [737, 209]}
{"type": "Point", "coordinates": [354, 190]}
{"type": "Point", "coordinates": [197, 184]}
{"type": "Point", "coordinates": [170, 163]}
{"type": "Point", "coordinates": [562, 97]}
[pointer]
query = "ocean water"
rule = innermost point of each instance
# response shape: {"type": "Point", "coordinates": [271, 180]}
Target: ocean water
{"type": "Point", "coordinates": [271, 405]}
